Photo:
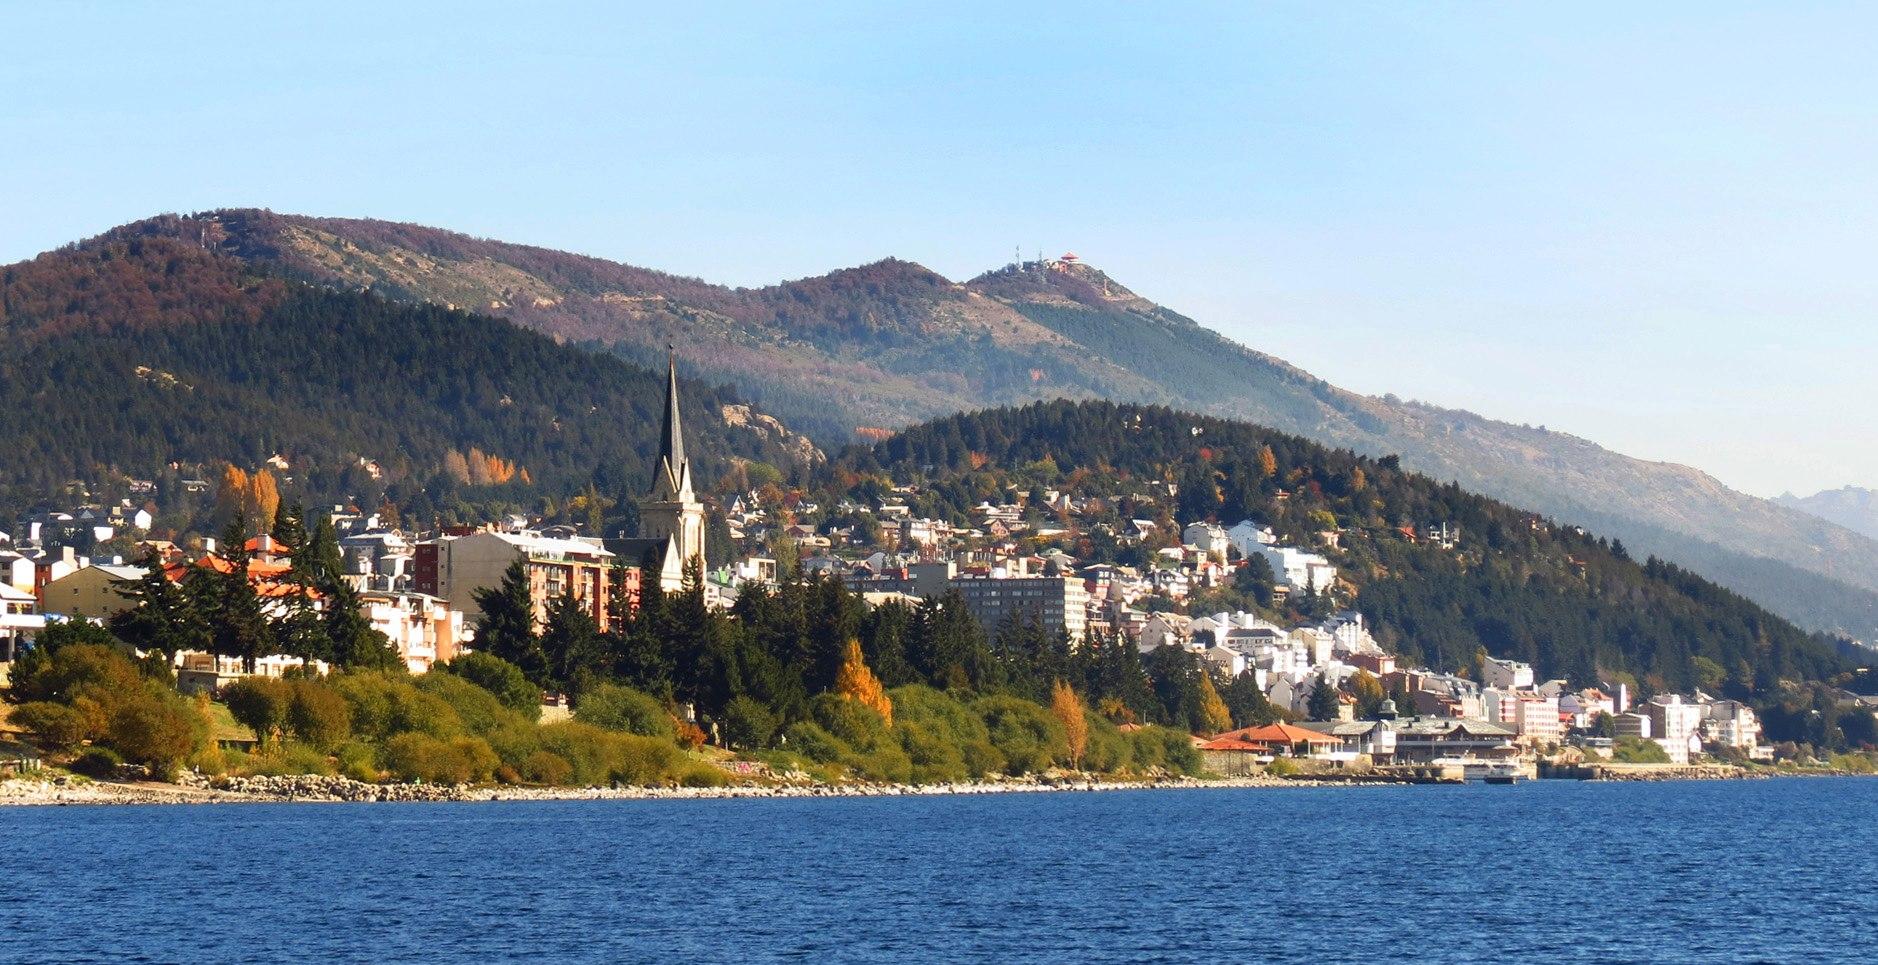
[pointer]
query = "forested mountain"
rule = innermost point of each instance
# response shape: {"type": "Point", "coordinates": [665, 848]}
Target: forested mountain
{"type": "Point", "coordinates": [1854, 508]}
{"type": "Point", "coordinates": [139, 355]}
{"type": "Point", "coordinates": [891, 343]}
{"type": "Point", "coordinates": [1515, 584]}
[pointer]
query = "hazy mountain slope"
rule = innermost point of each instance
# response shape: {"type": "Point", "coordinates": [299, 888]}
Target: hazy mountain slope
{"type": "Point", "coordinates": [892, 343]}
{"type": "Point", "coordinates": [1854, 508]}
{"type": "Point", "coordinates": [128, 354]}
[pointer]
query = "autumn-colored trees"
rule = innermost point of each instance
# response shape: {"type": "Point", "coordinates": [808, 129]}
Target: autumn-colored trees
{"type": "Point", "coordinates": [857, 683]}
{"type": "Point", "coordinates": [254, 500]}
{"type": "Point", "coordinates": [479, 468]}
{"type": "Point", "coordinates": [1068, 710]}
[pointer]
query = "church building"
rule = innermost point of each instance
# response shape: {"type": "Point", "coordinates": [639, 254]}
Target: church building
{"type": "Point", "coordinates": [671, 520]}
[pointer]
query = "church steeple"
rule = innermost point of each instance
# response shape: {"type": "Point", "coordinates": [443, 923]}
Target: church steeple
{"type": "Point", "coordinates": [672, 476]}
{"type": "Point", "coordinates": [672, 438]}
{"type": "Point", "coordinates": [671, 512]}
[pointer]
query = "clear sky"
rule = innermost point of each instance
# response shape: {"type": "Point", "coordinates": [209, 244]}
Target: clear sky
{"type": "Point", "coordinates": [1649, 225]}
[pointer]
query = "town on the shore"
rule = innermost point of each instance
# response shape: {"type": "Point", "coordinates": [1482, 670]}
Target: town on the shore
{"type": "Point", "coordinates": [1340, 699]}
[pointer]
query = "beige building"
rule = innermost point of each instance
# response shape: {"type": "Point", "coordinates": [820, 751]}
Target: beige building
{"type": "Point", "coordinates": [94, 592]}
{"type": "Point", "coordinates": [1055, 602]}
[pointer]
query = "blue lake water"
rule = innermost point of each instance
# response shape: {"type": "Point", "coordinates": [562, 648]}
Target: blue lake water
{"type": "Point", "coordinates": [1781, 871]}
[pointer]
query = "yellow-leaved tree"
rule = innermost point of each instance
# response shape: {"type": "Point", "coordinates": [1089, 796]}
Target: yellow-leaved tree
{"type": "Point", "coordinates": [1067, 707]}
{"type": "Point", "coordinates": [855, 682]}
{"type": "Point", "coordinates": [1213, 709]}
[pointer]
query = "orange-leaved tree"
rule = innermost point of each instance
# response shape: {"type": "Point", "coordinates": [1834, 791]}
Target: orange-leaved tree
{"type": "Point", "coordinates": [1069, 712]}
{"type": "Point", "coordinates": [855, 682]}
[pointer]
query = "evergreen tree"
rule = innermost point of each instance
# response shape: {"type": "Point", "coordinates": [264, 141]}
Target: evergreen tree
{"type": "Point", "coordinates": [571, 642]}
{"type": "Point", "coordinates": [354, 643]}
{"type": "Point", "coordinates": [321, 557]}
{"type": "Point", "coordinates": [507, 626]}
{"type": "Point", "coordinates": [163, 617]}
{"type": "Point", "coordinates": [1322, 704]}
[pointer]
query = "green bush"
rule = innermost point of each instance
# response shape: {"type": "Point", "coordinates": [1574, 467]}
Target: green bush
{"type": "Point", "coordinates": [55, 727]}
{"type": "Point", "coordinates": [77, 670]}
{"type": "Point", "coordinates": [886, 763]}
{"type": "Point", "coordinates": [1027, 734]}
{"type": "Point", "coordinates": [1636, 750]}
{"type": "Point", "coordinates": [1166, 748]}
{"type": "Point", "coordinates": [97, 762]}
{"type": "Point", "coordinates": [480, 711]}
{"type": "Point", "coordinates": [359, 761]}
{"type": "Point", "coordinates": [982, 760]}
{"type": "Point", "coordinates": [318, 715]}
{"type": "Point", "coordinates": [748, 724]}
{"type": "Point", "coordinates": [932, 755]}
{"type": "Point", "coordinates": [703, 775]}
{"type": "Point", "coordinates": [600, 757]}
{"type": "Point", "coordinates": [855, 724]}
{"type": "Point", "coordinates": [809, 739]}
{"type": "Point", "coordinates": [1281, 767]}
{"type": "Point", "coordinates": [546, 767]}
{"type": "Point", "coordinates": [501, 678]}
{"type": "Point", "coordinates": [618, 708]}
{"type": "Point", "coordinates": [261, 704]}
{"type": "Point", "coordinates": [157, 728]}
{"type": "Point", "coordinates": [1108, 749]}
{"type": "Point", "coordinates": [286, 759]}
{"type": "Point", "coordinates": [416, 756]}
{"type": "Point", "coordinates": [384, 706]}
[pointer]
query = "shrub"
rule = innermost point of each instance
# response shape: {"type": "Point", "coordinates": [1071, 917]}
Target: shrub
{"type": "Point", "coordinates": [748, 724]}
{"type": "Point", "coordinates": [852, 722]}
{"type": "Point", "coordinates": [609, 757]}
{"type": "Point", "coordinates": [703, 775]}
{"type": "Point", "coordinates": [501, 678]}
{"type": "Point", "coordinates": [1028, 736]}
{"type": "Point", "coordinates": [810, 740]}
{"type": "Point", "coordinates": [982, 759]}
{"type": "Point", "coordinates": [358, 761]}
{"type": "Point", "coordinates": [624, 709]}
{"type": "Point", "coordinates": [74, 671]}
{"type": "Point", "coordinates": [689, 735]}
{"type": "Point", "coordinates": [1281, 767]}
{"type": "Point", "coordinates": [289, 758]}
{"type": "Point", "coordinates": [1107, 751]}
{"type": "Point", "coordinates": [546, 767]}
{"type": "Point", "coordinates": [98, 762]}
{"type": "Point", "coordinates": [210, 761]}
{"type": "Point", "coordinates": [383, 706]}
{"type": "Point", "coordinates": [480, 711]}
{"type": "Point", "coordinates": [933, 757]}
{"type": "Point", "coordinates": [1636, 750]}
{"type": "Point", "coordinates": [417, 756]}
{"type": "Point", "coordinates": [886, 763]}
{"type": "Point", "coordinates": [157, 728]}
{"type": "Point", "coordinates": [940, 712]}
{"type": "Point", "coordinates": [1165, 748]}
{"type": "Point", "coordinates": [261, 704]}
{"type": "Point", "coordinates": [318, 715]}
{"type": "Point", "coordinates": [56, 727]}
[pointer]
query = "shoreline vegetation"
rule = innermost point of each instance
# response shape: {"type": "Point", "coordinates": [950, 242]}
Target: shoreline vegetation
{"type": "Point", "coordinates": [64, 790]}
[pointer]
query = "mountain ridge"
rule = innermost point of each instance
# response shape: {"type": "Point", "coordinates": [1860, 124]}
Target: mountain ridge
{"type": "Point", "coordinates": [892, 343]}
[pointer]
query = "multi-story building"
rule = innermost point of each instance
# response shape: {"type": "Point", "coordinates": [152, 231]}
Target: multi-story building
{"type": "Point", "coordinates": [426, 630]}
{"type": "Point", "coordinates": [1676, 725]}
{"type": "Point", "coordinates": [1505, 674]}
{"type": "Point", "coordinates": [457, 565]}
{"type": "Point", "coordinates": [1055, 602]}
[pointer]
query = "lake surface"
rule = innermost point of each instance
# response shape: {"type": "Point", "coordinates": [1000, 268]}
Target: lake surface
{"type": "Point", "coordinates": [1780, 871]}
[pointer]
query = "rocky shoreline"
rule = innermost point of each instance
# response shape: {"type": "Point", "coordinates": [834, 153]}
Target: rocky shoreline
{"type": "Point", "coordinates": [314, 788]}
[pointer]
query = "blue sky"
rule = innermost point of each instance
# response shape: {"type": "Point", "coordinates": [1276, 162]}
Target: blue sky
{"type": "Point", "coordinates": [1649, 227]}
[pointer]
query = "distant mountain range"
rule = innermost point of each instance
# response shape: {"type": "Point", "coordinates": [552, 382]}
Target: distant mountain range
{"type": "Point", "coordinates": [1854, 508]}
{"type": "Point", "coordinates": [875, 348]}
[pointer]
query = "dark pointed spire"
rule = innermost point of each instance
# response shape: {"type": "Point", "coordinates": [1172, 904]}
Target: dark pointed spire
{"type": "Point", "coordinates": [672, 439]}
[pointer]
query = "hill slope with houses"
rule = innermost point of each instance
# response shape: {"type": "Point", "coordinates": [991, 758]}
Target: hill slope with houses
{"type": "Point", "coordinates": [888, 344]}
{"type": "Point", "coordinates": [1442, 576]}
